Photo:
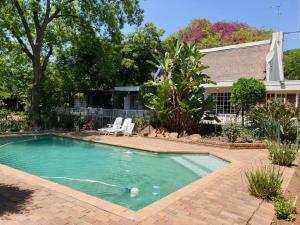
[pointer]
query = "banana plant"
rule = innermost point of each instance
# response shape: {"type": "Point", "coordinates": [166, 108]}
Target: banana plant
{"type": "Point", "coordinates": [178, 96]}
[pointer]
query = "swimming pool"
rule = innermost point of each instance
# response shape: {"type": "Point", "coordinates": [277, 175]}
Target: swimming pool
{"type": "Point", "coordinates": [127, 177]}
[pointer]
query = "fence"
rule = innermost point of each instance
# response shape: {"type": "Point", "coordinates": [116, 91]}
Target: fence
{"type": "Point", "coordinates": [104, 116]}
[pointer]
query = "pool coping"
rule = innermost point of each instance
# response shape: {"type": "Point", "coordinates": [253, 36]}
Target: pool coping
{"type": "Point", "coordinates": [144, 213]}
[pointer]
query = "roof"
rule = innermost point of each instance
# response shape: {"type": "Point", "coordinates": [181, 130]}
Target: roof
{"type": "Point", "coordinates": [230, 63]}
{"type": "Point", "coordinates": [127, 88]}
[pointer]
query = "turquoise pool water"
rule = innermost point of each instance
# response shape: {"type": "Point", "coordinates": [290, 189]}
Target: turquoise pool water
{"type": "Point", "coordinates": [105, 171]}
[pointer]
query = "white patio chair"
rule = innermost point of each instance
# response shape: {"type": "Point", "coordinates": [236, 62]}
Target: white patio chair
{"type": "Point", "coordinates": [129, 130]}
{"type": "Point", "coordinates": [116, 125]}
{"type": "Point", "coordinates": [126, 124]}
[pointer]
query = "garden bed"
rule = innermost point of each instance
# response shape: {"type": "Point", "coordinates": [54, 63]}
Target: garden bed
{"type": "Point", "coordinates": [214, 142]}
{"type": "Point", "coordinates": [292, 190]}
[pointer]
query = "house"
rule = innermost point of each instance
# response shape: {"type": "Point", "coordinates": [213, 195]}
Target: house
{"type": "Point", "coordinates": [262, 60]}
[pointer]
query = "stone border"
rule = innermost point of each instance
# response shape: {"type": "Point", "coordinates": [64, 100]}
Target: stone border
{"type": "Point", "coordinates": [218, 144]}
{"type": "Point", "coordinates": [204, 142]}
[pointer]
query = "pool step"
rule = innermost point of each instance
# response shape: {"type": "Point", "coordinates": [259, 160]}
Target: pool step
{"type": "Point", "coordinates": [208, 162]}
{"type": "Point", "coordinates": [191, 166]}
{"type": "Point", "coordinates": [200, 162]}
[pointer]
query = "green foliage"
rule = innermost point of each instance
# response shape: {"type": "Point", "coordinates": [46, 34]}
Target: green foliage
{"type": "Point", "coordinates": [232, 130]}
{"type": "Point", "coordinates": [15, 75]}
{"type": "Point", "coordinates": [265, 182]}
{"type": "Point", "coordinates": [283, 154]}
{"type": "Point", "coordinates": [177, 96]}
{"type": "Point", "coordinates": [140, 123]}
{"type": "Point", "coordinates": [246, 93]}
{"type": "Point", "coordinates": [90, 63]}
{"type": "Point", "coordinates": [13, 121]}
{"type": "Point", "coordinates": [205, 34]}
{"type": "Point", "coordinates": [42, 28]}
{"type": "Point", "coordinates": [248, 134]}
{"type": "Point", "coordinates": [291, 61]}
{"type": "Point", "coordinates": [136, 49]}
{"type": "Point", "coordinates": [62, 121]}
{"type": "Point", "coordinates": [275, 119]}
{"type": "Point", "coordinates": [284, 210]}
{"type": "Point", "coordinates": [4, 113]}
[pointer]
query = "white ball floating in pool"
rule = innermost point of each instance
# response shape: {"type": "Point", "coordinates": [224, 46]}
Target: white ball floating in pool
{"type": "Point", "coordinates": [134, 192]}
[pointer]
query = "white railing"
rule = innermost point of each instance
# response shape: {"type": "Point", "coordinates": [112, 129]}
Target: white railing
{"type": "Point", "coordinates": [108, 113]}
{"type": "Point", "coordinates": [131, 113]}
{"type": "Point", "coordinates": [224, 118]}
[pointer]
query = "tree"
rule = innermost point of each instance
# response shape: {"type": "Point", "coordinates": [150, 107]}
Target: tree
{"type": "Point", "coordinates": [291, 60]}
{"type": "Point", "coordinates": [15, 79]}
{"type": "Point", "coordinates": [177, 96]}
{"type": "Point", "coordinates": [137, 48]}
{"type": "Point", "coordinates": [246, 93]}
{"type": "Point", "coordinates": [208, 35]}
{"type": "Point", "coordinates": [90, 62]}
{"type": "Point", "coordinates": [40, 26]}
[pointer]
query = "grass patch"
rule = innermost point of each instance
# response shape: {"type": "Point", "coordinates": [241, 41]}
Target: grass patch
{"type": "Point", "coordinates": [265, 182]}
{"type": "Point", "coordinates": [283, 154]}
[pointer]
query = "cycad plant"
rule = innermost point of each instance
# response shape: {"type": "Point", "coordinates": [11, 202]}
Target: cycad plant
{"type": "Point", "coordinates": [178, 96]}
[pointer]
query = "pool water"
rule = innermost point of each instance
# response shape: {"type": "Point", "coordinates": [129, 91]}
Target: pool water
{"type": "Point", "coordinates": [106, 171]}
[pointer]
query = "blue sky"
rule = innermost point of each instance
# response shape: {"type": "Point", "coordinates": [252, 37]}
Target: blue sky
{"type": "Point", "coordinates": [171, 15]}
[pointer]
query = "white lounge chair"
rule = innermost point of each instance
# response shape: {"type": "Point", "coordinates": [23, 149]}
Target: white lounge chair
{"type": "Point", "coordinates": [126, 124]}
{"type": "Point", "coordinates": [129, 130]}
{"type": "Point", "coordinates": [116, 125]}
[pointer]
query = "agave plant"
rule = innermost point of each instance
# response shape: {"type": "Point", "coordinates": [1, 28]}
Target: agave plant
{"type": "Point", "coordinates": [178, 96]}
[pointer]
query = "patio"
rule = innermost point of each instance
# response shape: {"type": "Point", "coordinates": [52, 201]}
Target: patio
{"type": "Point", "coordinates": [219, 198]}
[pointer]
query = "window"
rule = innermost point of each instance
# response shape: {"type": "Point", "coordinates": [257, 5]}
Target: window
{"type": "Point", "coordinates": [270, 97]}
{"type": "Point", "coordinates": [283, 98]}
{"type": "Point", "coordinates": [291, 98]}
{"type": "Point", "coordinates": [223, 105]}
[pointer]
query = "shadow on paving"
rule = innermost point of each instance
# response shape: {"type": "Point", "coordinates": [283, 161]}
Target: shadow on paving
{"type": "Point", "coordinates": [13, 199]}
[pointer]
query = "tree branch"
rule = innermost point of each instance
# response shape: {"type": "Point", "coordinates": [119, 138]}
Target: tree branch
{"type": "Point", "coordinates": [24, 22]}
{"type": "Point", "coordinates": [36, 20]}
{"type": "Point", "coordinates": [58, 10]}
{"type": "Point", "coordinates": [23, 45]}
{"type": "Point", "coordinates": [47, 14]}
{"type": "Point", "coordinates": [19, 39]}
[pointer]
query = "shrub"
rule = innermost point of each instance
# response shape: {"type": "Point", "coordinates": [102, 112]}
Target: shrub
{"type": "Point", "coordinates": [246, 93]}
{"type": "Point", "coordinates": [275, 120]}
{"type": "Point", "coordinates": [283, 154]}
{"type": "Point", "coordinates": [232, 130]}
{"type": "Point", "coordinates": [265, 182]}
{"type": "Point", "coordinates": [284, 210]}
{"type": "Point", "coordinates": [64, 121]}
{"type": "Point", "coordinates": [140, 123]}
{"type": "Point", "coordinates": [247, 134]}
{"type": "Point", "coordinates": [210, 129]}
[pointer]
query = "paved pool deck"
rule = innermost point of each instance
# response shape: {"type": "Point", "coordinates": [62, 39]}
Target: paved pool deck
{"type": "Point", "coordinates": [219, 198]}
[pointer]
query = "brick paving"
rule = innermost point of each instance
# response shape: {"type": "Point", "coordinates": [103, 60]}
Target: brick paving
{"type": "Point", "coordinates": [219, 198]}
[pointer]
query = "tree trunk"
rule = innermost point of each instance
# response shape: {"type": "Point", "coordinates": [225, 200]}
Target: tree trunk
{"type": "Point", "coordinates": [36, 88]}
{"type": "Point", "coordinates": [35, 105]}
{"type": "Point", "coordinates": [243, 115]}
